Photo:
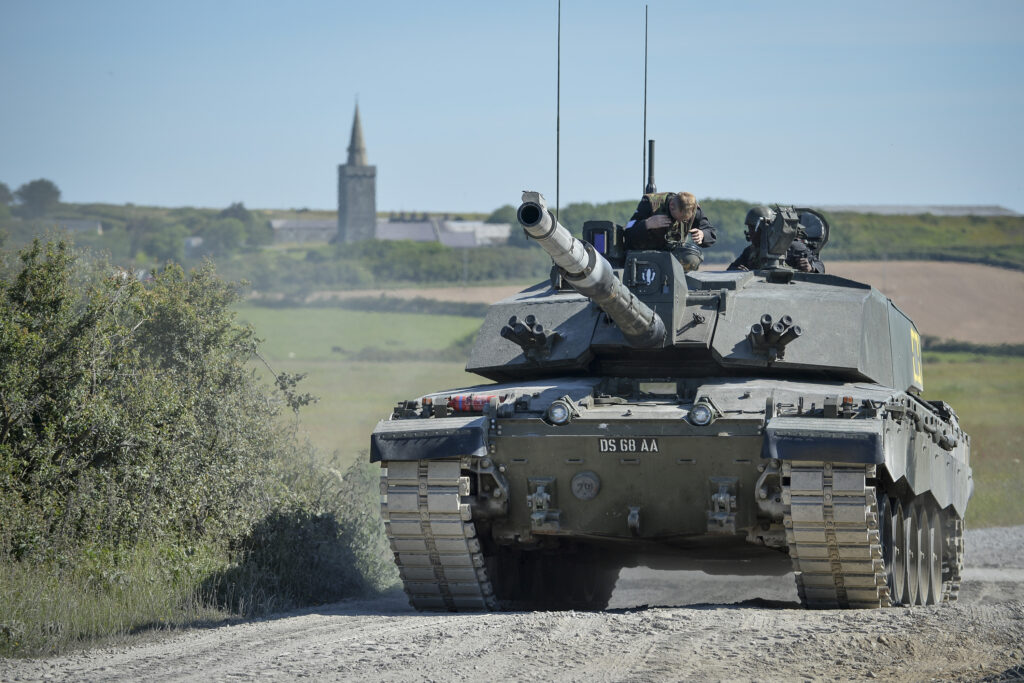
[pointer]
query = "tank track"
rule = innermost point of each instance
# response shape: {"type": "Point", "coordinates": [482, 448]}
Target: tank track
{"type": "Point", "coordinates": [831, 522]}
{"type": "Point", "coordinates": [429, 529]}
{"type": "Point", "coordinates": [951, 586]}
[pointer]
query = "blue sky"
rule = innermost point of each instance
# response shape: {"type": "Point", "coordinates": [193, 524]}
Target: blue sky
{"type": "Point", "coordinates": [207, 103]}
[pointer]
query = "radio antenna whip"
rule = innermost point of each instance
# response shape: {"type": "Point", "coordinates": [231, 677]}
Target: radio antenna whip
{"type": "Point", "coordinates": [558, 107]}
{"type": "Point", "coordinates": [644, 144]}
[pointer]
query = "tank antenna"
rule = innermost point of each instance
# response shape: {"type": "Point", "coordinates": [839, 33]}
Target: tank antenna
{"type": "Point", "coordinates": [643, 146]}
{"type": "Point", "coordinates": [558, 107]}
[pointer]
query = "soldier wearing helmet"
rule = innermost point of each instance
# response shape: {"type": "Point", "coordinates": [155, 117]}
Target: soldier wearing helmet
{"type": "Point", "coordinates": [798, 257]}
{"type": "Point", "coordinates": [671, 221]}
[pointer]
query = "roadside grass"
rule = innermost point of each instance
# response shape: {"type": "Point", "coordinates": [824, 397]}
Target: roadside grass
{"type": "Point", "coordinates": [326, 547]}
{"type": "Point", "coordinates": [986, 392]}
{"type": "Point", "coordinates": [50, 607]}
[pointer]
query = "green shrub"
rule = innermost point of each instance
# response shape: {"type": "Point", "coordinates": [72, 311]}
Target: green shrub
{"type": "Point", "coordinates": [127, 410]}
{"type": "Point", "coordinates": [147, 476]}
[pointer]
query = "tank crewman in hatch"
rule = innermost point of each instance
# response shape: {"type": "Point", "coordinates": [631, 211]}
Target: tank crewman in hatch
{"type": "Point", "coordinates": [674, 222]}
{"type": "Point", "coordinates": [798, 257]}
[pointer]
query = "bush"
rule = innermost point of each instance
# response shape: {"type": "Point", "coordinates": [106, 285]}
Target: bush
{"type": "Point", "coordinates": [319, 549]}
{"type": "Point", "coordinates": [135, 439]}
{"type": "Point", "coordinates": [128, 409]}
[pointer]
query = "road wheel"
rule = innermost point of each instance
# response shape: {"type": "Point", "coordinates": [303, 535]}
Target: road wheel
{"type": "Point", "coordinates": [899, 554]}
{"type": "Point", "coordinates": [887, 534]}
{"type": "Point", "coordinates": [931, 531]}
{"type": "Point", "coordinates": [914, 556]}
{"type": "Point", "coordinates": [912, 529]}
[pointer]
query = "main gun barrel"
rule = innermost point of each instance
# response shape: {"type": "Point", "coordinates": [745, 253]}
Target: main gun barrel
{"type": "Point", "coordinates": [590, 274]}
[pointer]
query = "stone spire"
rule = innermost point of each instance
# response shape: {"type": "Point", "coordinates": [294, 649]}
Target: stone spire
{"type": "Point", "coordinates": [356, 148]}
{"type": "Point", "coordinates": [357, 191]}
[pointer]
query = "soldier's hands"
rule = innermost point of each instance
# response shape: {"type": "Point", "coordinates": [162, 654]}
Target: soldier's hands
{"type": "Point", "coordinates": [698, 235]}
{"type": "Point", "coordinates": [804, 264]}
{"type": "Point", "coordinates": [658, 222]}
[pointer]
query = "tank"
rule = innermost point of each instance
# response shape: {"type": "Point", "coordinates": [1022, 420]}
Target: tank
{"type": "Point", "coordinates": [757, 422]}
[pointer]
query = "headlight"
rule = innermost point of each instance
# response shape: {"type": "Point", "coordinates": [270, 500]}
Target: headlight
{"type": "Point", "coordinates": [559, 413]}
{"type": "Point", "coordinates": [701, 414]}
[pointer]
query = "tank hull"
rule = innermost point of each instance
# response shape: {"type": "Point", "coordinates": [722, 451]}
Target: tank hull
{"type": "Point", "coordinates": [772, 483]}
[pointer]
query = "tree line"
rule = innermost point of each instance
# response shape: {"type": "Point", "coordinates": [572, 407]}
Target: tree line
{"type": "Point", "coordinates": [147, 237]}
{"type": "Point", "coordinates": [141, 236]}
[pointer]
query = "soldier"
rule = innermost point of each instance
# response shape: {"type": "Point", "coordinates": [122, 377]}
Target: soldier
{"type": "Point", "coordinates": [798, 257]}
{"type": "Point", "coordinates": [674, 222]}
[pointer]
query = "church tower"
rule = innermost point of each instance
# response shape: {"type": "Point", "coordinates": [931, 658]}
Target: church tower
{"type": "Point", "coordinates": [357, 191]}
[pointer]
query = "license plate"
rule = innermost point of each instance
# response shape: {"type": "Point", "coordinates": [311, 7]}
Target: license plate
{"type": "Point", "coordinates": [628, 445]}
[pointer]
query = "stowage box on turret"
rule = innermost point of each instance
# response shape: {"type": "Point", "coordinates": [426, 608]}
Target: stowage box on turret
{"type": "Point", "coordinates": [735, 422]}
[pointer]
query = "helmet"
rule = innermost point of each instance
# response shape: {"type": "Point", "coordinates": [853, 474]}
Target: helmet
{"type": "Point", "coordinates": [814, 228]}
{"type": "Point", "coordinates": [756, 214]}
{"type": "Point", "coordinates": [755, 217]}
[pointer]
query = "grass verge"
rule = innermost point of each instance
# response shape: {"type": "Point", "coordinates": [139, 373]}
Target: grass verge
{"type": "Point", "coordinates": [50, 607]}
{"type": "Point", "coordinates": [326, 546]}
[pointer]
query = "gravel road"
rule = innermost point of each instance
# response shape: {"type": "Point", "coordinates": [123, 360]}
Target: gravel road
{"type": "Point", "coordinates": [660, 626]}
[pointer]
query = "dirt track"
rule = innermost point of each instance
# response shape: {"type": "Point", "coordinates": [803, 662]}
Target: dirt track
{"type": "Point", "coordinates": [962, 301]}
{"type": "Point", "coordinates": [731, 629]}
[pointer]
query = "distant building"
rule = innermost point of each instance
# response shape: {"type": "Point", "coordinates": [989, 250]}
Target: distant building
{"type": "Point", "coordinates": [451, 233]}
{"type": "Point", "coordinates": [402, 228]}
{"type": "Point", "coordinates": [415, 227]}
{"type": "Point", "coordinates": [357, 191]}
{"type": "Point", "coordinates": [303, 230]}
{"type": "Point", "coordinates": [484, 234]}
{"type": "Point", "coordinates": [459, 240]}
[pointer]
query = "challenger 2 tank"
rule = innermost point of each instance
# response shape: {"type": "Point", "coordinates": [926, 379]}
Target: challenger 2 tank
{"type": "Point", "coordinates": [734, 422]}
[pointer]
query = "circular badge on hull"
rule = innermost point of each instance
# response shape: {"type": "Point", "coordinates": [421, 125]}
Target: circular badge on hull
{"type": "Point", "coordinates": [585, 485]}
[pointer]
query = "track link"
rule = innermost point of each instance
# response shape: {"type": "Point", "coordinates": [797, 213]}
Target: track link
{"type": "Point", "coordinates": [951, 585]}
{"type": "Point", "coordinates": [831, 522]}
{"type": "Point", "coordinates": [429, 529]}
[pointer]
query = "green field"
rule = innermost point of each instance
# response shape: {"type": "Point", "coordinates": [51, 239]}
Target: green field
{"type": "Point", "coordinates": [355, 395]}
{"type": "Point", "coordinates": [312, 334]}
{"type": "Point", "coordinates": [985, 390]}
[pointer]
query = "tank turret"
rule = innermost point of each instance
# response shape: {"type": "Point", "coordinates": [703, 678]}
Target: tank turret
{"type": "Point", "coordinates": [590, 274]}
